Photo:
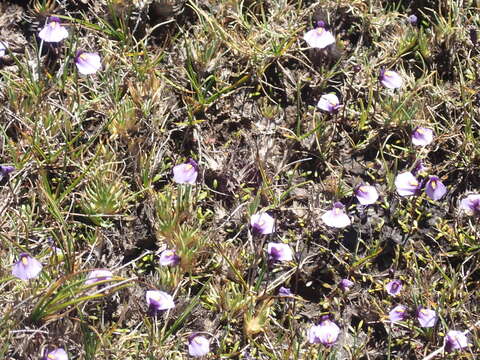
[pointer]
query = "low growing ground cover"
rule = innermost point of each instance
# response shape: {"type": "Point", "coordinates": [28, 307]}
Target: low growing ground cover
{"type": "Point", "coordinates": [258, 179]}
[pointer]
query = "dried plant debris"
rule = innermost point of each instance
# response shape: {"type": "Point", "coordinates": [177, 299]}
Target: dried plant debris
{"type": "Point", "coordinates": [255, 180]}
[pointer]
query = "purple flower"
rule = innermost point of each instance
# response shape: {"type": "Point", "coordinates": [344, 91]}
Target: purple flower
{"type": "Point", "coordinates": [158, 300]}
{"type": "Point", "coordinates": [286, 292]}
{"type": "Point", "coordinates": [391, 79]}
{"type": "Point", "coordinates": [455, 340]}
{"type": "Point", "coordinates": [53, 31]}
{"type": "Point", "coordinates": [169, 258]}
{"type": "Point", "coordinates": [26, 267]}
{"type": "Point", "coordinates": [262, 223]}
{"type": "Point", "coordinates": [471, 204]}
{"type": "Point", "coordinates": [398, 313]}
{"type": "Point", "coordinates": [186, 173]}
{"type": "Point", "coordinates": [435, 188]}
{"type": "Point", "coordinates": [394, 287]}
{"type": "Point", "coordinates": [319, 37]}
{"type": "Point", "coordinates": [329, 103]}
{"type": "Point", "coordinates": [426, 317]}
{"type": "Point", "coordinates": [5, 170]}
{"type": "Point", "coordinates": [57, 354]}
{"type": "Point", "coordinates": [198, 345]}
{"type": "Point", "coordinates": [422, 136]}
{"type": "Point", "coordinates": [326, 333]}
{"type": "Point", "coordinates": [279, 252]}
{"type": "Point", "coordinates": [412, 19]}
{"type": "Point", "coordinates": [337, 216]}
{"type": "Point", "coordinates": [3, 49]}
{"type": "Point", "coordinates": [406, 184]}
{"type": "Point", "coordinates": [98, 275]}
{"type": "Point", "coordinates": [87, 62]}
{"type": "Point", "coordinates": [419, 169]}
{"type": "Point", "coordinates": [345, 284]}
{"type": "Point", "coordinates": [366, 194]}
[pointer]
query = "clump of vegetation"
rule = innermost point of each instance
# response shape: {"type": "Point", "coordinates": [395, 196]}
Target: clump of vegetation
{"type": "Point", "coordinates": [258, 179]}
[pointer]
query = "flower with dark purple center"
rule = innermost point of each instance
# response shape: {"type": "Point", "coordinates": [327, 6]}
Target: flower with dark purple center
{"type": "Point", "coordinates": [345, 284]}
{"type": "Point", "coordinates": [435, 188]}
{"type": "Point", "coordinates": [158, 301]}
{"type": "Point", "coordinates": [398, 313]}
{"type": "Point", "coordinates": [455, 340]}
{"type": "Point", "coordinates": [337, 216]}
{"type": "Point", "coordinates": [390, 79]}
{"type": "Point", "coordinates": [87, 62]}
{"type": "Point", "coordinates": [471, 204]}
{"type": "Point", "coordinates": [27, 267]}
{"type": "Point", "coordinates": [262, 223]}
{"type": "Point", "coordinates": [426, 317]}
{"type": "Point", "coordinates": [406, 184]}
{"type": "Point", "coordinates": [279, 252]}
{"type": "Point", "coordinates": [198, 345]}
{"type": "Point", "coordinates": [169, 258]}
{"type": "Point", "coordinates": [53, 31]}
{"type": "Point", "coordinates": [394, 287]}
{"type": "Point", "coordinates": [284, 292]}
{"type": "Point", "coordinates": [98, 275]}
{"type": "Point", "coordinates": [319, 37]}
{"type": "Point", "coordinates": [366, 194]}
{"type": "Point", "coordinates": [329, 103]}
{"type": "Point", "coordinates": [325, 333]}
{"type": "Point", "coordinates": [422, 136]}
{"type": "Point", "coordinates": [57, 354]}
{"type": "Point", "coordinates": [186, 173]}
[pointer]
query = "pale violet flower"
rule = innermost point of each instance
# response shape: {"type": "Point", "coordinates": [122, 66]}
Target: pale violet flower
{"type": "Point", "coordinates": [337, 216]}
{"type": "Point", "coordinates": [422, 136]}
{"type": "Point", "coordinates": [53, 31]}
{"type": "Point", "coordinates": [27, 267]}
{"type": "Point", "coordinates": [158, 301]}
{"type": "Point", "coordinates": [319, 37]}
{"type": "Point", "coordinates": [169, 258]}
{"type": "Point", "coordinates": [471, 204]}
{"type": "Point", "coordinates": [419, 169]}
{"type": "Point", "coordinates": [279, 252]}
{"type": "Point", "coordinates": [262, 223]}
{"type": "Point", "coordinates": [6, 170]}
{"type": "Point", "coordinates": [345, 284]}
{"type": "Point", "coordinates": [398, 313]}
{"type": "Point", "coordinates": [394, 287]}
{"type": "Point", "coordinates": [366, 194]}
{"type": "Point", "coordinates": [198, 345]}
{"type": "Point", "coordinates": [391, 79]}
{"type": "Point", "coordinates": [329, 103]}
{"type": "Point", "coordinates": [98, 275]}
{"type": "Point", "coordinates": [426, 317]}
{"type": "Point", "coordinates": [406, 184]}
{"type": "Point", "coordinates": [186, 173]}
{"type": "Point", "coordinates": [455, 340]}
{"type": "Point", "coordinates": [87, 62]}
{"type": "Point", "coordinates": [435, 188]}
{"type": "Point", "coordinates": [285, 292]}
{"type": "Point", "coordinates": [57, 354]}
{"type": "Point", "coordinates": [325, 333]}
{"type": "Point", "coordinates": [412, 19]}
